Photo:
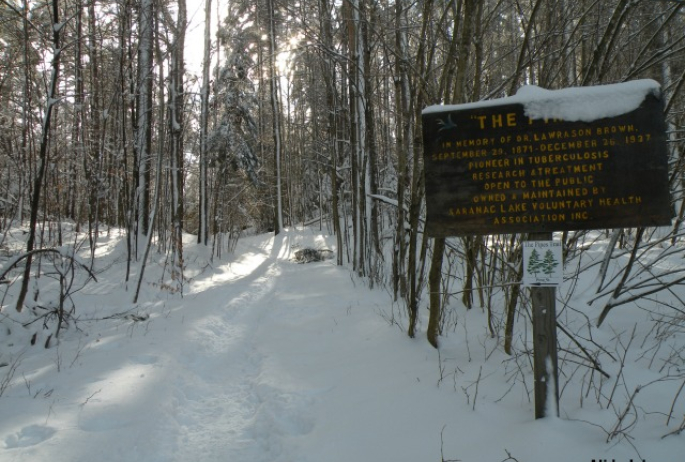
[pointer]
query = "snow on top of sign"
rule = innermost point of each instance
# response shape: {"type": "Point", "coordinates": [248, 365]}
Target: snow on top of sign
{"type": "Point", "coordinates": [572, 104]}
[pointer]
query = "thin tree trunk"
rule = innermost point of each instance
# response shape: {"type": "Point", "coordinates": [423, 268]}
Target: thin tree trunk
{"type": "Point", "coordinates": [600, 51]}
{"type": "Point", "coordinates": [333, 125]}
{"type": "Point", "coordinates": [93, 168]}
{"type": "Point", "coordinates": [128, 116]}
{"type": "Point", "coordinates": [144, 114]}
{"type": "Point", "coordinates": [418, 100]}
{"type": "Point", "coordinates": [403, 137]}
{"type": "Point", "coordinates": [203, 228]}
{"type": "Point", "coordinates": [356, 80]}
{"type": "Point", "coordinates": [512, 302]}
{"type": "Point", "coordinates": [176, 108]}
{"type": "Point", "coordinates": [435, 273]}
{"type": "Point", "coordinates": [43, 153]}
{"type": "Point", "coordinates": [79, 99]}
{"type": "Point", "coordinates": [435, 282]}
{"type": "Point", "coordinates": [374, 259]}
{"type": "Point", "coordinates": [276, 118]}
{"type": "Point", "coordinates": [524, 47]}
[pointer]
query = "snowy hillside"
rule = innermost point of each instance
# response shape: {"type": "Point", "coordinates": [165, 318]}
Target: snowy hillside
{"type": "Point", "coordinates": [267, 360]}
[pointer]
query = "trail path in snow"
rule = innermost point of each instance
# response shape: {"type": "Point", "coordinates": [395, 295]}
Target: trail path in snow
{"type": "Point", "coordinates": [225, 406]}
{"type": "Point", "coordinates": [263, 359]}
{"type": "Point", "coordinates": [279, 370]}
{"type": "Point", "coordinates": [267, 360]}
{"type": "Point", "coordinates": [197, 382]}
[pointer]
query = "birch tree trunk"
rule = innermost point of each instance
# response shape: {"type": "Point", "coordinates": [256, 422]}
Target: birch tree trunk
{"type": "Point", "coordinates": [203, 228]}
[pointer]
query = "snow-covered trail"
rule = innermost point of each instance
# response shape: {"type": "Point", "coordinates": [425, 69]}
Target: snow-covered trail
{"type": "Point", "coordinates": [184, 386]}
{"type": "Point", "coordinates": [213, 402]}
{"type": "Point", "coordinates": [253, 364]}
{"type": "Point", "coordinates": [267, 360]}
{"type": "Point", "coordinates": [225, 407]}
{"type": "Point", "coordinates": [216, 394]}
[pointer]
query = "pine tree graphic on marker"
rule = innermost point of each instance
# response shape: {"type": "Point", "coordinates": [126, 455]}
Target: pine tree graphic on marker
{"type": "Point", "coordinates": [549, 263]}
{"type": "Point", "coordinates": [546, 265]}
{"type": "Point", "coordinates": [534, 263]}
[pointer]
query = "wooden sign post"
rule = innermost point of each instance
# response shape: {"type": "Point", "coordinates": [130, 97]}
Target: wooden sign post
{"type": "Point", "coordinates": [586, 160]}
{"type": "Point", "coordinates": [545, 363]}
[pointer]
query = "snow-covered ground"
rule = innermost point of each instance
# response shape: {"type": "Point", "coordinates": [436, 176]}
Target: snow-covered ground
{"type": "Point", "coordinates": [267, 360]}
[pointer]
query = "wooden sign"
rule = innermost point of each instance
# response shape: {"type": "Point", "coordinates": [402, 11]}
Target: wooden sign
{"type": "Point", "coordinates": [495, 169]}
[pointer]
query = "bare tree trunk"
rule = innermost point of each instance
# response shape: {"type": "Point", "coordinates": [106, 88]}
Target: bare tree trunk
{"type": "Point", "coordinates": [27, 103]}
{"type": "Point", "coordinates": [357, 95]}
{"type": "Point", "coordinates": [127, 123]}
{"type": "Point", "coordinates": [203, 228]}
{"type": "Point", "coordinates": [144, 114]}
{"type": "Point", "coordinates": [594, 69]}
{"type": "Point", "coordinates": [435, 282]}
{"type": "Point", "coordinates": [177, 123]}
{"type": "Point", "coordinates": [79, 100]}
{"type": "Point", "coordinates": [524, 47]}
{"type": "Point", "coordinates": [435, 273]}
{"type": "Point", "coordinates": [93, 162]}
{"type": "Point", "coordinates": [515, 261]}
{"type": "Point", "coordinates": [276, 118]}
{"type": "Point", "coordinates": [373, 246]}
{"type": "Point", "coordinates": [43, 153]}
{"type": "Point", "coordinates": [403, 139]}
{"type": "Point", "coordinates": [333, 125]}
{"type": "Point", "coordinates": [418, 100]}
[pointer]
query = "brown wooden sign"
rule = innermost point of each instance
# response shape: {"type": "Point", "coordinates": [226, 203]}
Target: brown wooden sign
{"type": "Point", "coordinates": [493, 169]}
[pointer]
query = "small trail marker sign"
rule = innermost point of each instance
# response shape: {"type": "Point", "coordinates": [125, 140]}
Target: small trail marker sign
{"type": "Point", "coordinates": [542, 264]}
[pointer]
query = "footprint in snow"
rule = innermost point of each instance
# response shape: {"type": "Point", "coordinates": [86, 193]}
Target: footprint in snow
{"type": "Point", "coordinates": [29, 436]}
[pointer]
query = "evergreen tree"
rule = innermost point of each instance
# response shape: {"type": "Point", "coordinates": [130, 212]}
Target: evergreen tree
{"type": "Point", "coordinates": [233, 140]}
{"type": "Point", "coordinates": [549, 263]}
{"type": "Point", "coordinates": [534, 263]}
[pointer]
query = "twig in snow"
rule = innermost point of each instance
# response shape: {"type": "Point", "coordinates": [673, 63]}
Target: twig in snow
{"type": "Point", "coordinates": [442, 455]}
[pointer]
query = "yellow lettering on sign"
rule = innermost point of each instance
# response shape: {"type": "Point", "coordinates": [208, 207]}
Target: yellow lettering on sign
{"type": "Point", "coordinates": [497, 186]}
{"type": "Point", "coordinates": [580, 216]}
{"type": "Point", "coordinates": [555, 193]}
{"type": "Point", "coordinates": [563, 205]}
{"type": "Point", "coordinates": [489, 198]}
{"type": "Point", "coordinates": [494, 163]}
{"type": "Point", "coordinates": [496, 120]}
{"type": "Point", "coordinates": [475, 210]}
{"type": "Point", "coordinates": [513, 208]}
{"type": "Point", "coordinates": [529, 219]}
{"type": "Point", "coordinates": [614, 129]}
{"type": "Point", "coordinates": [498, 175]}
{"type": "Point", "coordinates": [618, 201]}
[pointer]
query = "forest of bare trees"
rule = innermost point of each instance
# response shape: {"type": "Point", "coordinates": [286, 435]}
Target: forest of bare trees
{"type": "Point", "coordinates": [307, 112]}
